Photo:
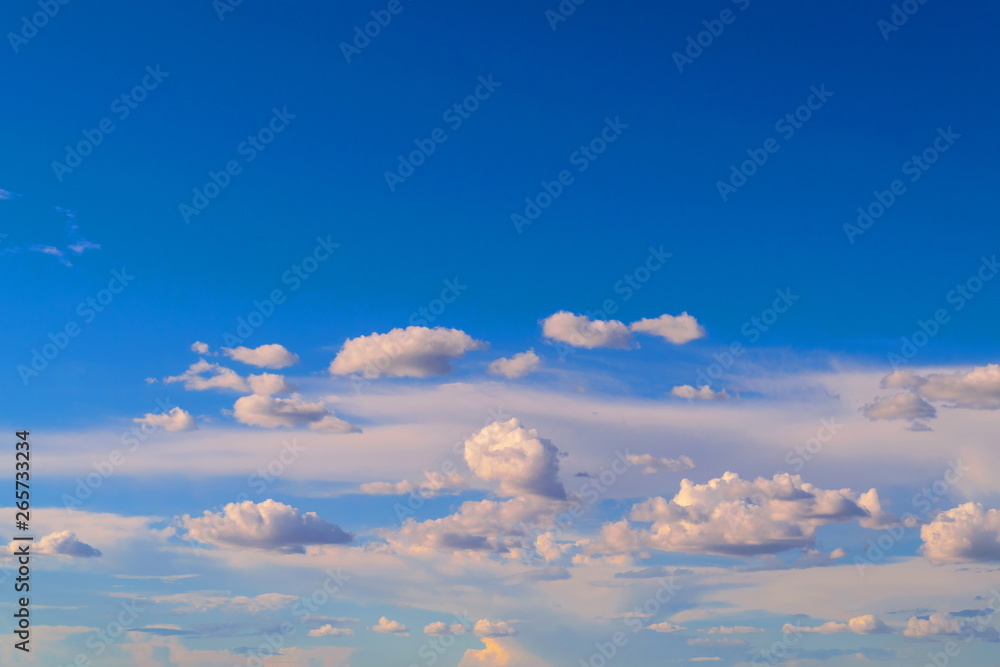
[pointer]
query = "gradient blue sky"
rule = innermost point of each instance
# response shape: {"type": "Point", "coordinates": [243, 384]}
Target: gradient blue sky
{"type": "Point", "coordinates": [323, 177]}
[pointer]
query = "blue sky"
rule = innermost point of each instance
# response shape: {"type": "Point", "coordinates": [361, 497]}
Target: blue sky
{"type": "Point", "coordinates": [690, 288]}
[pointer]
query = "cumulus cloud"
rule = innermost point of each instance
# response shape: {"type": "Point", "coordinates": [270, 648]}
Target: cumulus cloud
{"type": "Point", "coordinates": [733, 516]}
{"type": "Point", "coordinates": [175, 419]}
{"type": "Point", "coordinates": [868, 624]}
{"type": "Point", "coordinates": [677, 329]}
{"type": "Point", "coordinates": [899, 406]}
{"type": "Point", "coordinates": [62, 543]}
{"type": "Point", "coordinates": [487, 628]}
{"type": "Point", "coordinates": [330, 631]}
{"type": "Point", "coordinates": [268, 525]}
{"type": "Point", "coordinates": [703, 393]}
{"type": "Point", "coordinates": [517, 366]}
{"type": "Point", "coordinates": [271, 412]}
{"type": "Point", "coordinates": [938, 623]}
{"type": "Point", "coordinates": [417, 352]}
{"type": "Point", "coordinates": [581, 331]}
{"type": "Point", "coordinates": [434, 484]}
{"type": "Point", "coordinates": [441, 629]}
{"type": "Point", "coordinates": [978, 389]}
{"type": "Point", "coordinates": [500, 652]}
{"type": "Point", "coordinates": [654, 464]}
{"type": "Point", "coordinates": [387, 627]}
{"type": "Point", "coordinates": [265, 356]}
{"type": "Point", "coordinates": [517, 458]}
{"type": "Point", "coordinates": [268, 384]}
{"type": "Point", "coordinates": [968, 532]}
{"type": "Point", "coordinates": [203, 375]}
{"type": "Point", "coordinates": [665, 627]}
{"type": "Point", "coordinates": [199, 347]}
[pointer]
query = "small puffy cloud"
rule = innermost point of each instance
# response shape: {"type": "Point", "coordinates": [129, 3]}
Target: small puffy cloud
{"type": "Point", "coordinates": [203, 375]}
{"type": "Point", "coordinates": [938, 623]}
{"type": "Point", "coordinates": [733, 516]}
{"type": "Point", "coordinates": [665, 627]}
{"type": "Point", "coordinates": [654, 464]}
{"type": "Point", "coordinates": [330, 631]}
{"type": "Point", "coordinates": [175, 419]}
{"type": "Point", "coordinates": [268, 525]}
{"type": "Point", "coordinates": [733, 630]}
{"type": "Point", "coordinates": [868, 624]}
{"type": "Point", "coordinates": [268, 384]}
{"type": "Point", "coordinates": [387, 627]}
{"type": "Point", "coordinates": [487, 628]}
{"type": "Point", "coordinates": [677, 329]}
{"type": "Point", "coordinates": [899, 406]}
{"type": "Point", "coordinates": [968, 532]}
{"type": "Point", "coordinates": [62, 543]}
{"type": "Point", "coordinates": [199, 347]}
{"type": "Point", "coordinates": [581, 331]}
{"type": "Point", "coordinates": [519, 365]}
{"type": "Point", "coordinates": [434, 484]}
{"type": "Point", "coordinates": [265, 356]}
{"type": "Point", "coordinates": [517, 458]}
{"type": "Point", "coordinates": [702, 393]}
{"type": "Point", "coordinates": [417, 352]}
{"type": "Point", "coordinates": [271, 412]}
{"type": "Point", "coordinates": [441, 629]}
{"type": "Point", "coordinates": [901, 380]}
{"type": "Point", "coordinates": [978, 389]}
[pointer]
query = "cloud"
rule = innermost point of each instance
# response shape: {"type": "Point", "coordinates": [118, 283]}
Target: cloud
{"type": "Point", "coordinates": [968, 532]}
{"type": "Point", "coordinates": [416, 352]}
{"type": "Point", "coordinates": [175, 419]}
{"type": "Point", "coordinates": [441, 629]}
{"type": "Point", "coordinates": [725, 641]}
{"type": "Point", "coordinates": [203, 375]}
{"type": "Point", "coordinates": [500, 652]}
{"type": "Point", "coordinates": [268, 384]}
{"type": "Point", "coordinates": [938, 623]}
{"type": "Point", "coordinates": [199, 602]}
{"type": "Point", "coordinates": [517, 366]}
{"type": "Point", "coordinates": [733, 516]}
{"type": "Point", "coordinates": [268, 525]}
{"type": "Point", "coordinates": [330, 631]}
{"type": "Point", "coordinates": [859, 625]}
{"type": "Point", "coordinates": [677, 329]}
{"type": "Point", "coordinates": [271, 412]}
{"type": "Point", "coordinates": [516, 458]}
{"type": "Point", "coordinates": [265, 356]}
{"type": "Point", "coordinates": [435, 483]}
{"type": "Point", "coordinates": [581, 331]}
{"type": "Point", "coordinates": [199, 347]}
{"type": "Point", "coordinates": [487, 628]}
{"type": "Point", "coordinates": [665, 627]}
{"type": "Point", "coordinates": [62, 543]}
{"type": "Point", "coordinates": [899, 406]}
{"type": "Point", "coordinates": [7, 195]}
{"type": "Point", "coordinates": [387, 627]}
{"type": "Point", "coordinates": [655, 464]}
{"type": "Point", "coordinates": [978, 389]}
{"type": "Point", "coordinates": [703, 393]}
{"type": "Point", "coordinates": [733, 630]}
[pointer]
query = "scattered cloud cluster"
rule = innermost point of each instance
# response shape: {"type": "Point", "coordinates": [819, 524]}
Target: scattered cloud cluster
{"type": "Point", "coordinates": [581, 331]}
{"type": "Point", "coordinates": [174, 419]}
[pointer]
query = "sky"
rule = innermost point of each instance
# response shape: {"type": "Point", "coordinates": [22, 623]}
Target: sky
{"type": "Point", "coordinates": [525, 334]}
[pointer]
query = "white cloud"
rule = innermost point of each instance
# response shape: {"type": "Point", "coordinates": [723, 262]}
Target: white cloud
{"type": "Point", "coordinates": [581, 331]}
{"type": "Point", "coordinates": [733, 516]}
{"type": "Point", "coordinates": [868, 624]}
{"type": "Point", "coordinates": [268, 525]}
{"type": "Point", "coordinates": [501, 652]}
{"type": "Point", "coordinates": [655, 464]}
{"type": "Point", "coordinates": [268, 384]}
{"type": "Point", "coordinates": [203, 375]}
{"type": "Point", "coordinates": [175, 419]}
{"type": "Point", "coordinates": [517, 366]}
{"type": "Point", "coordinates": [199, 602]}
{"type": "Point", "coordinates": [411, 352]}
{"type": "Point", "coordinates": [487, 628]}
{"type": "Point", "coordinates": [968, 532]}
{"type": "Point", "coordinates": [665, 627]}
{"type": "Point", "coordinates": [441, 629]}
{"type": "Point", "coordinates": [199, 347]}
{"type": "Point", "coordinates": [271, 412]}
{"type": "Point", "coordinates": [330, 631]}
{"type": "Point", "coordinates": [62, 543]}
{"type": "Point", "coordinates": [677, 329]}
{"type": "Point", "coordinates": [516, 458]}
{"type": "Point", "coordinates": [899, 406]}
{"type": "Point", "coordinates": [435, 483]}
{"type": "Point", "coordinates": [938, 623]}
{"type": "Point", "coordinates": [265, 356]}
{"type": "Point", "coordinates": [387, 627]}
{"type": "Point", "coordinates": [703, 393]}
{"type": "Point", "coordinates": [978, 389]}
